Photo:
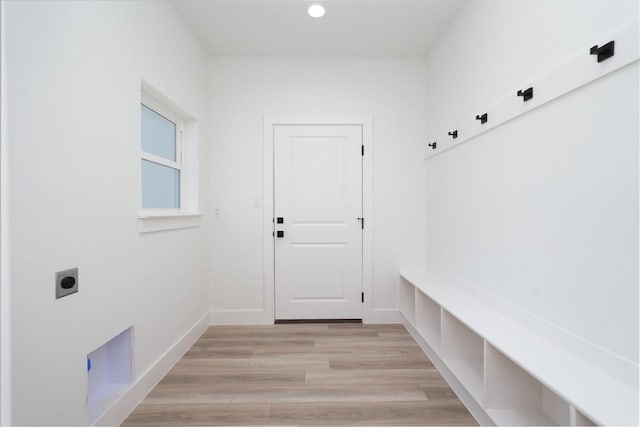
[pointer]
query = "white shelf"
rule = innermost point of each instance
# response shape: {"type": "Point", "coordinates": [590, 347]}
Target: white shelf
{"type": "Point", "coordinates": [462, 351]}
{"type": "Point", "coordinates": [492, 355]}
{"type": "Point", "coordinates": [110, 373]}
{"type": "Point", "coordinates": [520, 417]}
{"type": "Point", "coordinates": [579, 419]}
{"type": "Point", "coordinates": [469, 373]}
{"type": "Point", "coordinates": [407, 301]}
{"type": "Point", "coordinates": [428, 323]}
{"type": "Point", "coordinates": [513, 397]}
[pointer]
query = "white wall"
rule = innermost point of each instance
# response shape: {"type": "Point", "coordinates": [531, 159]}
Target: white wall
{"type": "Point", "coordinates": [5, 307]}
{"type": "Point", "coordinates": [244, 90]}
{"type": "Point", "coordinates": [73, 77]}
{"type": "Point", "coordinates": [541, 212]}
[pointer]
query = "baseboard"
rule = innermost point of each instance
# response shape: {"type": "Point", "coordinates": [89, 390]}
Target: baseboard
{"type": "Point", "coordinates": [263, 317]}
{"type": "Point", "coordinates": [465, 397]}
{"type": "Point", "coordinates": [383, 315]}
{"type": "Point", "coordinates": [127, 402]}
{"type": "Point", "coordinates": [241, 317]}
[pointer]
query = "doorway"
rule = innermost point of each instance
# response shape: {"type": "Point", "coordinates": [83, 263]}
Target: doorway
{"type": "Point", "coordinates": [318, 221]}
{"type": "Point", "coordinates": [317, 198]}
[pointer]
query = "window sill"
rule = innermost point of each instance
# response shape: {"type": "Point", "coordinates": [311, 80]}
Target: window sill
{"type": "Point", "coordinates": [152, 222]}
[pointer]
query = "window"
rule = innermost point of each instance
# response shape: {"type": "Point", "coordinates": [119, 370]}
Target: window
{"type": "Point", "coordinates": [169, 164]}
{"type": "Point", "coordinates": [161, 156]}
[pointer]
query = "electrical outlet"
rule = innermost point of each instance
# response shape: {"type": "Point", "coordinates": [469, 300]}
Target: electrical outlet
{"type": "Point", "coordinates": [66, 282]}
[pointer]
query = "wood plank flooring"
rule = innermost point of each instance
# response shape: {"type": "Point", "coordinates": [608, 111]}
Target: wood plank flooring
{"type": "Point", "coordinates": [303, 374]}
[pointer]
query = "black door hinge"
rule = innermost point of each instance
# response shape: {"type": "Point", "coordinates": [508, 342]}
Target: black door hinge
{"type": "Point", "coordinates": [362, 297]}
{"type": "Point", "coordinates": [363, 150]}
{"type": "Point", "coordinates": [361, 222]}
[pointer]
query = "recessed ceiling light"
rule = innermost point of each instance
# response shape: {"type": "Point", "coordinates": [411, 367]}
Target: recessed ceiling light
{"type": "Point", "coordinates": [316, 11]}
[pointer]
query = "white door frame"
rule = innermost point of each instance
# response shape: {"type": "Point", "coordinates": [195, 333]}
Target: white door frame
{"type": "Point", "coordinates": [367, 203]}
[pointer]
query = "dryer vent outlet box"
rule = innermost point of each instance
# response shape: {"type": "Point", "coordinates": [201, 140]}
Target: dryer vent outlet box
{"type": "Point", "coordinates": [66, 282]}
{"type": "Point", "coordinates": [109, 373]}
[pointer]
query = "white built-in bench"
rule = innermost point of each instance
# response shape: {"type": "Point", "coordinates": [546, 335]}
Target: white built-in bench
{"type": "Point", "coordinates": [504, 372]}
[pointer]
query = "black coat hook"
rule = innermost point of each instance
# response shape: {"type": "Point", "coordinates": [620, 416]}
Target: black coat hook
{"type": "Point", "coordinates": [526, 94]}
{"type": "Point", "coordinates": [433, 145]}
{"type": "Point", "coordinates": [483, 118]}
{"type": "Point", "coordinates": [453, 134]}
{"type": "Point", "coordinates": [605, 51]}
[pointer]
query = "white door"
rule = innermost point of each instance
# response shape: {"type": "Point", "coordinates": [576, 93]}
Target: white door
{"type": "Point", "coordinates": [318, 229]}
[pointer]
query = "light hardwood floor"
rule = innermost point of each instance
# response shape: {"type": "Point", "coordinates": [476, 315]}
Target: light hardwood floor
{"type": "Point", "coordinates": [302, 374]}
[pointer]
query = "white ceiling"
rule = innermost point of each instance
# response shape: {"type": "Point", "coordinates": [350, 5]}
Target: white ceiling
{"type": "Point", "coordinates": [395, 28]}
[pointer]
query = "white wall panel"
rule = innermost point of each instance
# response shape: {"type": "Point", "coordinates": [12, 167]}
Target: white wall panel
{"type": "Point", "coordinates": [74, 73]}
{"type": "Point", "coordinates": [244, 90]}
{"type": "Point", "coordinates": [541, 212]}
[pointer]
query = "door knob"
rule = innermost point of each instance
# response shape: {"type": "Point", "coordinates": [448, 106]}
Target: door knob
{"type": "Point", "coordinates": [279, 233]}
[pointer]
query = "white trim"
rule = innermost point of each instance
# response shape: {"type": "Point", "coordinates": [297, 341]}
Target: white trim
{"type": "Point", "coordinates": [167, 214]}
{"type": "Point", "coordinates": [384, 315]}
{"type": "Point", "coordinates": [367, 203]}
{"type": "Point", "coordinates": [241, 317]}
{"type": "Point", "coordinates": [160, 160]}
{"type": "Point", "coordinates": [369, 315]}
{"type": "Point", "coordinates": [153, 222]}
{"type": "Point", "coordinates": [131, 398]}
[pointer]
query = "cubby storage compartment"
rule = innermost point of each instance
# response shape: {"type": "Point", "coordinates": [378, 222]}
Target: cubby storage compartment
{"type": "Point", "coordinates": [109, 369]}
{"type": "Point", "coordinates": [428, 320]}
{"type": "Point", "coordinates": [514, 397]}
{"type": "Point", "coordinates": [407, 301]}
{"type": "Point", "coordinates": [504, 370]}
{"type": "Point", "coordinates": [579, 419]}
{"type": "Point", "coordinates": [463, 352]}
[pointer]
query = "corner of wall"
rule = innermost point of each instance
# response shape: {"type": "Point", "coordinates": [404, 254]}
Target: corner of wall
{"type": "Point", "coordinates": [117, 413]}
{"type": "Point", "coordinates": [5, 306]}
